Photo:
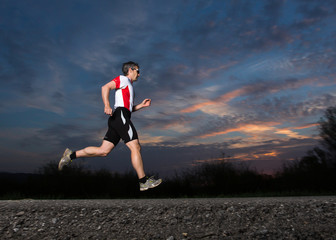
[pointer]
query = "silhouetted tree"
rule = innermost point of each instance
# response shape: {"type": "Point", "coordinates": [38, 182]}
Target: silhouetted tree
{"type": "Point", "coordinates": [324, 155]}
{"type": "Point", "coordinates": [316, 171]}
{"type": "Point", "coordinates": [328, 135]}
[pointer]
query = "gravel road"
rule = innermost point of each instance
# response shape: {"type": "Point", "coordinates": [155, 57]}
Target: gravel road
{"type": "Point", "coordinates": [172, 219]}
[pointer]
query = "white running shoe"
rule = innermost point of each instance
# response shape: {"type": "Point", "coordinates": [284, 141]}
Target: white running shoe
{"type": "Point", "coordinates": [150, 183]}
{"type": "Point", "coordinates": [65, 160]}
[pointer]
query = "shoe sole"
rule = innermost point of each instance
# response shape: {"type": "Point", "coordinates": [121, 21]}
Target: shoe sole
{"type": "Point", "coordinates": [60, 166]}
{"type": "Point", "coordinates": [144, 189]}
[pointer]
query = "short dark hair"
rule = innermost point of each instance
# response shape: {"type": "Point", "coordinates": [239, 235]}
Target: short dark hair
{"type": "Point", "coordinates": [128, 65]}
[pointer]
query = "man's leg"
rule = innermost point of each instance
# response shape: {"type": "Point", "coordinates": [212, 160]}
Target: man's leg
{"type": "Point", "coordinates": [102, 151]}
{"type": "Point", "coordinates": [137, 162]}
{"type": "Point", "coordinates": [144, 181]}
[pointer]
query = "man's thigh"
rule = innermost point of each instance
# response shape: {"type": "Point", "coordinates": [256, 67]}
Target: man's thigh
{"type": "Point", "coordinates": [107, 146]}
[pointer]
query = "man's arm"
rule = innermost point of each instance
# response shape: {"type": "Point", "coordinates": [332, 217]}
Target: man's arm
{"type": "Point", "coordinates": [105, 90]}
{"type": "Point", "coordinates": [145, 103]}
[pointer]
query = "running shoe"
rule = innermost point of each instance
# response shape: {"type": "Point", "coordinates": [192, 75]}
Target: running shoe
{"type": "Point", "coordinates": [65, 160]}
{"type": "Point", "coordinates": [150, 183]}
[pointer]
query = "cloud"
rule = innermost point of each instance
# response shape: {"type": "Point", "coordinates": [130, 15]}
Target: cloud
{"type": "Point", "coordinates": [315, 9]}
{"type": "Point", "coordinates": [290, 133]}
{"type": "Point", "coordinates": [247, 129]}
{"type": "Point", "coordinates": [310, 125]}
{"type": "Point", "coordinates": [256, 89]}
{"type": "Point", "coordinates": [222, 99]}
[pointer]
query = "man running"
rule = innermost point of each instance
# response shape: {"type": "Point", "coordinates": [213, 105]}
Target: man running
{"type": "Point", "coordinates": [119, 125]}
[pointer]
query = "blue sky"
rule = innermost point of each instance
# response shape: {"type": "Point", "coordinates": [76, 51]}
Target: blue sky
{"type": "Point", "coordinates": [241, 81]}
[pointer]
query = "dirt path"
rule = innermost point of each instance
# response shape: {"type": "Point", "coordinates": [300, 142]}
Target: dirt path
{"type": "Point", "coordinates": [239, 218]}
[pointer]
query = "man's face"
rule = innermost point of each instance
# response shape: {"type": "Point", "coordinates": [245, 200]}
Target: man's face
{"type": "Point", "coordinates": [134, 73]}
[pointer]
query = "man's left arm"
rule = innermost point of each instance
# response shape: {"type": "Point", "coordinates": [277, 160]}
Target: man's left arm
{"type": "Point", "coordinates": [145, 103]}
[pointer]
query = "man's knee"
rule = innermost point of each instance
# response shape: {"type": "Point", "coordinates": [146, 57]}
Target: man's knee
{"type": "Point", "coordinates": [104, 153]}
{"type": "Point", "coordinates": [104, 150]}
{"type": "Point", "coordinates": [134, 145]}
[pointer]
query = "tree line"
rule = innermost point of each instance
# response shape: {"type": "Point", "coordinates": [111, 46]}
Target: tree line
{"type": "Point", "coordinates": [313, 174]}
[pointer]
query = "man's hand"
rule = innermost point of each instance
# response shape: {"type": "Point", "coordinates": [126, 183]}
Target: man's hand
{"type": "Point", "coordinates": [146, 102]}
{"type": "Point", "coordinates": [108, 111]}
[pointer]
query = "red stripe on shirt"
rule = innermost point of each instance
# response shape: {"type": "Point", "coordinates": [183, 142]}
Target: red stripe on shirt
{"type": "Point", "coordinates": [117, 82]}
{"type": "Point", "coordinates": [126, 98]}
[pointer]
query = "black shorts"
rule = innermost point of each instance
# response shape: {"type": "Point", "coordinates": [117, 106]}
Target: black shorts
{"type": "Point", "coordinates": [120, 127]}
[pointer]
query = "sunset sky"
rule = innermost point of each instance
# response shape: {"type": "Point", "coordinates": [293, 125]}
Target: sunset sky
{"type": "Point", "coordinates": [240, 81]}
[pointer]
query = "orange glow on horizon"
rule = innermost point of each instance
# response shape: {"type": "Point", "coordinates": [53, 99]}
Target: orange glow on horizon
{"type": "Point", "coordinates": [307, 126]}
{"type": "Point", "coordinates": [249, 128]}
{"type": "Point", "coordinates": [271, 154]}
{"type": "Point", "coordinates": [222, 99]}
{"type": "Point", "coordinates": [240, 158]}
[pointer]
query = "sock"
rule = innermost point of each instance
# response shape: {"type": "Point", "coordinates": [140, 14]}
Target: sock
{"type": "Point", "coordinates": [143, 180]}
{"type": "Point", "coordinates": [73, 156]}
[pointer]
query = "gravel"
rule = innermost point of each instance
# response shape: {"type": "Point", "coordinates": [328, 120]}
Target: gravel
{"type": "Point", "coordinates": [170, 219]}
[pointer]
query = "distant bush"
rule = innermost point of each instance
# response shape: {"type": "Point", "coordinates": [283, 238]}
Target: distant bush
{"type": "Point", "coordinates": [222, 178]}
{"type": "Point", "coordinates": [73, 182]}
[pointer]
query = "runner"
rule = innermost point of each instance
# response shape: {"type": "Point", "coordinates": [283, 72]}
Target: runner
{"type": "Point", "coordinates": [120, 125]}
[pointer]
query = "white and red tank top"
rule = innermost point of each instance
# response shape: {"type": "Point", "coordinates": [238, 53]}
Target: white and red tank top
{"type": "Point", "coordinates": [124, 93]}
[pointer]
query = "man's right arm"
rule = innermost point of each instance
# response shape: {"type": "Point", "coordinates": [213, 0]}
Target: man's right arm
{"type": "Point", "coordinates": [105, 95]}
